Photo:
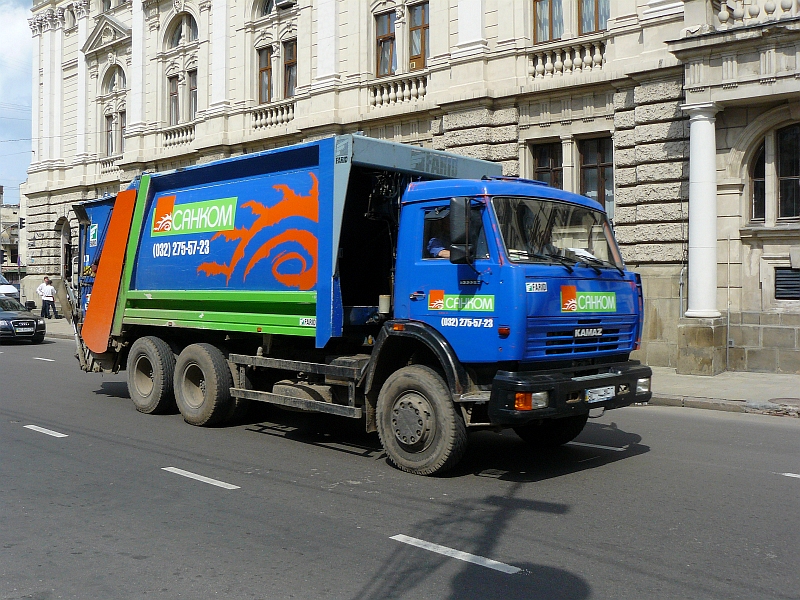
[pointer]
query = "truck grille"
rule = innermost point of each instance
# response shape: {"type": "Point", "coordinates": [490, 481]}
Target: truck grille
{"type": "Point", "coordinates": [558, 339]}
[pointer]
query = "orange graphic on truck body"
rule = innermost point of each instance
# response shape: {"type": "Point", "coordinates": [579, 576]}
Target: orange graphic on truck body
{"type": "Point", "coordinates": [291, 205]}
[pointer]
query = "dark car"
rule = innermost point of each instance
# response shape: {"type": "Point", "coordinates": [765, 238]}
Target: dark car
{"type": "Point", "coordinates": [17, 323]}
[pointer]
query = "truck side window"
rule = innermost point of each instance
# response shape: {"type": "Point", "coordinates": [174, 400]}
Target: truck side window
{"type": "Point", "coordinates": [436, 233]}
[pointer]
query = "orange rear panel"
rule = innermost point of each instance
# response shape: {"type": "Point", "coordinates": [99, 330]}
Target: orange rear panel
{"type": "Point", "coordinates": [100, 312]}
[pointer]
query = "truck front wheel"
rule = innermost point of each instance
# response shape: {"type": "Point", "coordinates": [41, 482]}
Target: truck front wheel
{"type": "Point", "coordinates": [417, 422]}
{"type": "Point", "coordinates": [203, 385]}
{"type": "Point", "coordinates": [551, 433]}
{"type": "Point", "coordinates": [151, 365]}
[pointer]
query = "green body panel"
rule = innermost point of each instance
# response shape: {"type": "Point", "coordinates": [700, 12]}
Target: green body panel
{"type": "Point", "coordinates": [251, 312]}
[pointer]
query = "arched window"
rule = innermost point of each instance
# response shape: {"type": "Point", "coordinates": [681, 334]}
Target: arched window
{"type": "Point", "coordinates": [115, 80]}
{"type": "Point", "coordinates": [267, 7]}
{"type": "Point", "coordinates": [184, 30]}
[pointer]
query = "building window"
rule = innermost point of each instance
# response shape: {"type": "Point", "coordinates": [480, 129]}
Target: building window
{"type": "Point", "coordinates": [109, 135]}
{"type": "Point", "coordinates": [387, 57]}
{"type": "Point", "coordinates": [788, 146]}
{"type": "Point", "coordinates": [192, 77]}
{"type": "Point", "coordinates": [593, 15]}
{"type": "Point", "coordinates": [548, 164]}
{"type": "Point", "coordinates": [267, 7]}
{"type": "Point", "coordinates": [184, 31]}
{"type": "Point", "coordinates": [106, 5]}
{"type": "Point", "coordinates": [123, 122]}
{"type": "Point", "coordinates": [289, 68]}
{"type": "Point", "coordinates": [597, 171]}
{"type": "Point", "coordinates": [419, 36]}
{"type": "Point", "coordinates": [758, 186]}
{"type": "Point", "coordinates": [174, 114]}
{"type": "Point", "coordinates": [548, 18]}
{"type": "Point", "coordinates": [265, 75]}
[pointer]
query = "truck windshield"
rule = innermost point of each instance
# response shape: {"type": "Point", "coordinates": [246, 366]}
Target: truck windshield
{"type": "Point", "coordinates": [537, 230]}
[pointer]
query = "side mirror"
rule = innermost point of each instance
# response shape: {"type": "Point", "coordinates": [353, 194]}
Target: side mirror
{"type": "Point", "coordinates": [460, 248]}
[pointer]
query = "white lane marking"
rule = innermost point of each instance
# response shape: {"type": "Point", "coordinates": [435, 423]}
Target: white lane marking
{"type": "Point", "coordinates": [598, 447]}
{"type": "Point", "coordinates": [190, 475]}
{"type": "Point", "coordinates": [789, 475]}
{"type": "Point", "coordinates": [47, 431]}
{"type": "Point", "coordinates": [45, 359]}
{"type": "Point", "coordinates": [465, 556]}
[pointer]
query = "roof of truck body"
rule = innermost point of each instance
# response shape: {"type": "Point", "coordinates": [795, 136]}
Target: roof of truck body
{"type": "Point", "coordinates": [420, 191]}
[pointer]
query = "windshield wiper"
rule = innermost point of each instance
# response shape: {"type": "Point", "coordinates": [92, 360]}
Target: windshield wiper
{"type": "Point", "coordinates": [599, 261]}
{"type": "Point", "coordinates": [559, 259]}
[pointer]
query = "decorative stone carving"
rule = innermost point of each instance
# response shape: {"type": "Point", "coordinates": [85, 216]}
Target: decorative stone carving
{"type": "Point", "coordinates": [81, 8]}
{"type": "Point", "coordinates": [35, 26]}
{"type": "Point", "coordinates": [178, 5]}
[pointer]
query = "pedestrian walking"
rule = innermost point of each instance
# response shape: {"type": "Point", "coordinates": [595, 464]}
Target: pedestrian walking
{"type": "Point", "coordinates": [48, 294]}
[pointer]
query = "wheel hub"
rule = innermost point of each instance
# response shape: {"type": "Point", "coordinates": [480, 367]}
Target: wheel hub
{"type": "Point", "coordinates": [412, 421]}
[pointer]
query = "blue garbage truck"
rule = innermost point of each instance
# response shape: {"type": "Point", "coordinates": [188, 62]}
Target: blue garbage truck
{"type": "Point", "coordinates": [419, 291]}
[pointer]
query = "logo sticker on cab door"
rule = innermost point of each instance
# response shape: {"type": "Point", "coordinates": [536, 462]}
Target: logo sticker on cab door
{"type": "Point", "coordinates": [574, 301]}
{"type": "Point", "coordinates": [438, 300]}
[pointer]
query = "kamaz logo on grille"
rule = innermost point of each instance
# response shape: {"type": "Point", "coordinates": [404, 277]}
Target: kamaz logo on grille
{"type": "Point", "coordinates": [589, 332]}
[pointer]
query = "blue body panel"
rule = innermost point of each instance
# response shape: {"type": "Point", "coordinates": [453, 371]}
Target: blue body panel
{"type": "Point", "coordinates": [92, 240]}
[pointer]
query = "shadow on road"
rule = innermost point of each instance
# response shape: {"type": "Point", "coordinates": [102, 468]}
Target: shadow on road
{"type": "Point", "coordinates": [474, 526]}
{"type": "Point", "coordinates": [113, 389]}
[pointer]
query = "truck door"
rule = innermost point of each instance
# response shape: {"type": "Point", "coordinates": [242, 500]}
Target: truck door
{"type": "Point", "coordinates": [458, 300]}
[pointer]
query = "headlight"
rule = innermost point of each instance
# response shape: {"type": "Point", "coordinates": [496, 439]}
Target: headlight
{"type": "Point", "coordinates": [643, 385]}
{"type": "Point", "coordinates": [40, 321]}
{"type": "Point", "coordinates": [5, 324]}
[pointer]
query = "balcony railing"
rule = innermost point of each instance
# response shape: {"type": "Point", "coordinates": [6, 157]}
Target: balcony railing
{"type": "Point", "coordinates": [401, 89]}
{"type": "Point", "coordinates": [738, 13]}
{"type": "Point", "coordinates": [276, 113]}
{"type": "Point", "coordinates": [110, 164]}
{"type": "Point", "coordinates": [571, 57]}
{"type": "Point", "coordinates": [178, 135]}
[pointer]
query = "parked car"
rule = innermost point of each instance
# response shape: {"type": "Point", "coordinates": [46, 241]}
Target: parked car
{"type": "Point", "coordinates": [6, 289]}
{"type": "Point", "coordinates": [18, 323]}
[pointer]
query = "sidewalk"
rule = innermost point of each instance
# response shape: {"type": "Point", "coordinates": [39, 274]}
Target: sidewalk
{"type": "Point", "coordinates": [765, 393]}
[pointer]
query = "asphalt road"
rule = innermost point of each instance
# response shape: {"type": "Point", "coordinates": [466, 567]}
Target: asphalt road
{"type": "Point", "coordinates": [653, 502]}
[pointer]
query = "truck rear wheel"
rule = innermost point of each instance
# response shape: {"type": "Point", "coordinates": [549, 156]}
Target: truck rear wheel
{"type": "Point", "coordinates": [417, 422]}
{"type": "Point", "coordinates": [203, 385]}
{"type": "Point", "coordinates": [551, 433]}
{"type": "Point", "coordinates": [151, 367]}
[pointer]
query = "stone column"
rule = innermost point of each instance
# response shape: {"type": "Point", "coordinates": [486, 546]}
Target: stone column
{"type": "Point", "coordinates": [219, 55]}
{"type": "Point", "coordinates": [471, 26]}
{"type": "Point", "coordinates": [58, 83]}
{"type": "Point", "coordinates": [568, 172]}
{"type": "Point", "coordinates": [327, 42]}
{"type": "Point", "coordinates": [47, 84]}
{"type": "Point", "coordinates": [82, 16]}
{"type": "Point", "coordinates": [35, 98]}
{"type": "Point", "coordinates": [702, 210]}
{"type": "Point", "coordinates": [134, 103]}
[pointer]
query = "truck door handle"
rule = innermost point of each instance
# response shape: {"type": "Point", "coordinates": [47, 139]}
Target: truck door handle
{"type": "Point", "coordinates": [417, 296]}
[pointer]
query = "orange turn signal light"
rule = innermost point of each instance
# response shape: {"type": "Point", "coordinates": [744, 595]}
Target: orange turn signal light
{"type": "Point", "coordinates": [504, 331]}
{"type": "Point", "coordinates": [398, 327]}
{"type": "Point", "coordinates": [523, 401]}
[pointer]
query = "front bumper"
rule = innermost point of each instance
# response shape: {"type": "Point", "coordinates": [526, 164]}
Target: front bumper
{"type": "Point", "coordinates": [19, 329]}
{"type": "Point", "coordinates": [568, 391]}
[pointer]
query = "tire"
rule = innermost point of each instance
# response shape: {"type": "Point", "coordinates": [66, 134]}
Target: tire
{"type": "Point", "coordinates": [418, 425]}
{"type": "Point", "coordinates": [203, 385]}
{"type": "Point", "coordinates": [37, 339]}
{"type": "Point", "coordinates": [151, 367]}
{"type": "Point", "coordinates": [551, 433]}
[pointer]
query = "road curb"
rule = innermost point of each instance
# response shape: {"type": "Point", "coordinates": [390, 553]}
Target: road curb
{"type": "Point", "coordinates": [61, 336]}
{"type": "Point", "coordinates": [740, 406]}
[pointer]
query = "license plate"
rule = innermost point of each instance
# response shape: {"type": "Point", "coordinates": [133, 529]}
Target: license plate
{"type": "Point", "coordinates": [25, 330]}
{"type": "Point", "coordinates": [600, 394]}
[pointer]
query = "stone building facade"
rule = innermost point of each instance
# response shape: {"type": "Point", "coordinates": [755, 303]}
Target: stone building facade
{"type": "Point", "coordinates": [673, 113]}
